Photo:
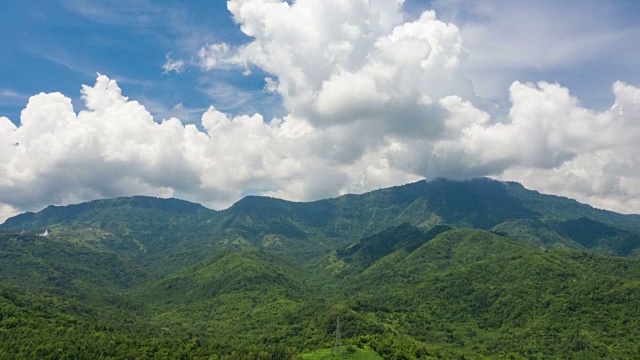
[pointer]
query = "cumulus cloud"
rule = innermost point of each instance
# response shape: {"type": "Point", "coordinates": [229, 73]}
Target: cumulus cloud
{"type": "Point", "coordinates": [338, 62]}
{"type": "Point", "coordinates": [603, 168]}
{"type": "Point", "coordinates": [373, 99]}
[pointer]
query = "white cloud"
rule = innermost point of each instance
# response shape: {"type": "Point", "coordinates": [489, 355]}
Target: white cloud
{"type": "Point", "coordinates": [373, 100]}
{"type": "Point", "coordinates": [140, 14]}
{"type": "Point", "coordinates": [604, 170]}
{"type": "Point", "coordinates": [217, 56]}
{"type": "Point", "coordinates": [10, 95]}
{"type": "Point", "coordinates": [7, 211]}
{"type": "Point", "coordinates": [171, 64]}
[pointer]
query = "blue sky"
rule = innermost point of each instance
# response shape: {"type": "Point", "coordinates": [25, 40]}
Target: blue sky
{"type": "Point", "coordinates": [57, 45]}
{"type": "Point", "coordinates": [353, 91]}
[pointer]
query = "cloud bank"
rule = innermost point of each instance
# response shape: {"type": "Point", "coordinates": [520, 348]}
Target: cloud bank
{"type": "Point", "coordinates": [373, 99]}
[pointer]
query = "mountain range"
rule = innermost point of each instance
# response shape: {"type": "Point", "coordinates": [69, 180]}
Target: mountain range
{"type": "Point", "coordinates": [433, 269]}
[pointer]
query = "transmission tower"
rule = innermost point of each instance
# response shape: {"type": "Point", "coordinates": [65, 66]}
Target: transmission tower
{"type": "Point", "coordinates": [337, 348]}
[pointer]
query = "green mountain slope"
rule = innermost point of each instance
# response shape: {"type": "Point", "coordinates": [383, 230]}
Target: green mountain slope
{"type": "Point", "coordinates": [439, 269]}
{"type": "Point", "coordinates": [225, 273]}
{"type": "Point", "coordinates": [238, 297]}
{"type": "Point", "coordinates": [536, 233]}
{"type": "Point", "coordinates": [37, 262]}
{"type": "Point", "coordinates": [472, 292]}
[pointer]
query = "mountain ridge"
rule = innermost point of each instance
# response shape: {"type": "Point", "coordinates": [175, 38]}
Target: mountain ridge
{"type": "Point", "coordinates": [264, 222]}
{"type": "Point", "coordinates": [251, 201]}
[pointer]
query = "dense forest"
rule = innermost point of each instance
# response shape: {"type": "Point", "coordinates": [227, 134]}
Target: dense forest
{"type": "Point", "coordinates": [442, 269]}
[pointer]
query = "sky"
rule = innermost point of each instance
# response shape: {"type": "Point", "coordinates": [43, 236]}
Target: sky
{"type": "Point", "coordinates": [210, 101]}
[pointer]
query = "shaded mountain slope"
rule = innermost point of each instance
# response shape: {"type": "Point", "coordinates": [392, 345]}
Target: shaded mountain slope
{"type": "Point", "coordinates": [364, 252]}
{"type": "Point", "coordinates": [600, 237]}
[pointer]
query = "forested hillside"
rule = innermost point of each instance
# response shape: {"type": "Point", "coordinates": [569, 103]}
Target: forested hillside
{"type": "Point", "coordinates": [440, 269]}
